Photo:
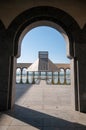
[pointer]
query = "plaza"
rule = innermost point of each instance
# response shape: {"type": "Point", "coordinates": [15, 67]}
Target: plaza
{"type": "Point", "coordinates": [43, 107]}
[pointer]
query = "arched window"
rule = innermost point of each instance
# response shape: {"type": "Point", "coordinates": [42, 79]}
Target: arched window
{"type": "Point", "coordinates": [49, 77]}
{"type": "Point", "coordinates": [68, 80]}
{"type": "Point", "coordinates": [24, 75]}
{"type": "Point", "coordinates": [30, 77]}
{"type": "Point", "coordinates": [18, 75]}
{"type": "Point", "coordinates": [55, 77]}
{"type": "Point", "coordinates": [61, 76]}
{"type": "Point", "coordinates": [43, 75]}
{"type": "Point", "coordinates": [36, 77]}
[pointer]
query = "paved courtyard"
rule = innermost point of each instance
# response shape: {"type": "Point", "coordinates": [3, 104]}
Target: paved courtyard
{"type": "Point", "coordinates": [43, 107]}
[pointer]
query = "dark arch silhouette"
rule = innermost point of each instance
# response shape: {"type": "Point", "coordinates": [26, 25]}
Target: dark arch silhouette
{"type": "Point", "coordinates": [40, 13]}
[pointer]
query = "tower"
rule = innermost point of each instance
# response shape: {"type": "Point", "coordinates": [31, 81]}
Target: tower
{"type": "Point", "coordinates": [43, 61]}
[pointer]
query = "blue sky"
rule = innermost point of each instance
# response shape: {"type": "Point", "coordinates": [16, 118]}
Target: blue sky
{"type": "Point", "coordinates": [43, 38]}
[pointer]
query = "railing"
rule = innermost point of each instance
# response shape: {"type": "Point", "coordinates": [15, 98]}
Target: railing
{"type": "Point", "coordinates": [61, 77]}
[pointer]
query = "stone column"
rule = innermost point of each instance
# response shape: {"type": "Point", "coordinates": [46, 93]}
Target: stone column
{"type": "Point", "coordinates": [21, 76]}
{"type": "Point", "coordinates": [7, 70]}
{"type": "Point", "coordinates": [80, 49]}
{"type": "Point", "coordinates": [12, 84]}
{"type": "Point", "coordinates": [27, 77]}
{"type": "Point", "coordinates": [81, 73]}
{"type": "Point", "coordinates": [4, 80]}
{"type": "Point", "coordinates": [33, 78]}
{"type": "Point", "coordinates": [65, 82]}
{"type": "Point", "coordinates": [59, 77]}
{"type": "Point", "coordinates": [4, 69]}
{"type": "Point", "coordinates": [74, 85]}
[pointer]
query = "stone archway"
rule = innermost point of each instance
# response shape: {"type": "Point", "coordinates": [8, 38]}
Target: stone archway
{"type": "Point", "coordinates": [28, 19]}
{"type": "Point", "coordinates": [38, 14]}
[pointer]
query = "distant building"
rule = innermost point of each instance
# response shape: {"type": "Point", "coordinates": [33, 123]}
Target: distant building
{"type": "Point", "coordinates": [43, 63]}
{"type": "Point", "coordinates": [43, 69]}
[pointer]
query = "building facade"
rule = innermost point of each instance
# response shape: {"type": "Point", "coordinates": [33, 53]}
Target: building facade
{"type": "Point", "coordinates": [17, 17]}
{"type": "Point", "coordinates": [43, 68]}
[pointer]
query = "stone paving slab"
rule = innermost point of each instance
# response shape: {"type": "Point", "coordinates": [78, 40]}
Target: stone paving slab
{"type": "Point", "coordinates": [43, 107]}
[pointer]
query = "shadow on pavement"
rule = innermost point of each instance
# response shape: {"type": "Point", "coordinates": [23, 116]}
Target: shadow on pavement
{"type": "Point", "coordinates": [21, 89]}
{"type": "Point", "coordinates": [43, 121]}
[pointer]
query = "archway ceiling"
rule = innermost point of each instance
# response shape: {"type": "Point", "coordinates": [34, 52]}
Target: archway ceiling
{"type": "Point", "coordinates": [12, 8]}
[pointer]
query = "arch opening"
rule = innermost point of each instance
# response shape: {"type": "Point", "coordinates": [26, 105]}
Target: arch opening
{"type": "Point", "coordinates": [42, 38]}
{"type": "Point", "coordinates": [51, 78]}
{"type": "Point", "coordinates": [38, 16]}
{"type": "Point", "coordinates": [47, 24]}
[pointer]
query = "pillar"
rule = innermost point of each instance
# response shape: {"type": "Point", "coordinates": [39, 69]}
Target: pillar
{"type": "Point", "coordinates": [65, 82]}
{"type": "Point", "coordinates": [12, 82]}
{"type": "Point", "coordinates": [81, 67]}
{"type": "Point", "coordinates": [21, 76]}
{"type": "Point", "coordinates": [27, 78]}
{"type": "Point", "coordinates": [59, 77]}
{"type": "Point", "coordinates": [4, 81]}
{"type": "Point", "coordinates": [74, 85]}
{"type": "Point", "coordinates": [80, 49]}
{"type": "Point", "coordinates": [7, 70]}
{"type": "Point", "coordinates": [4, 69]}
